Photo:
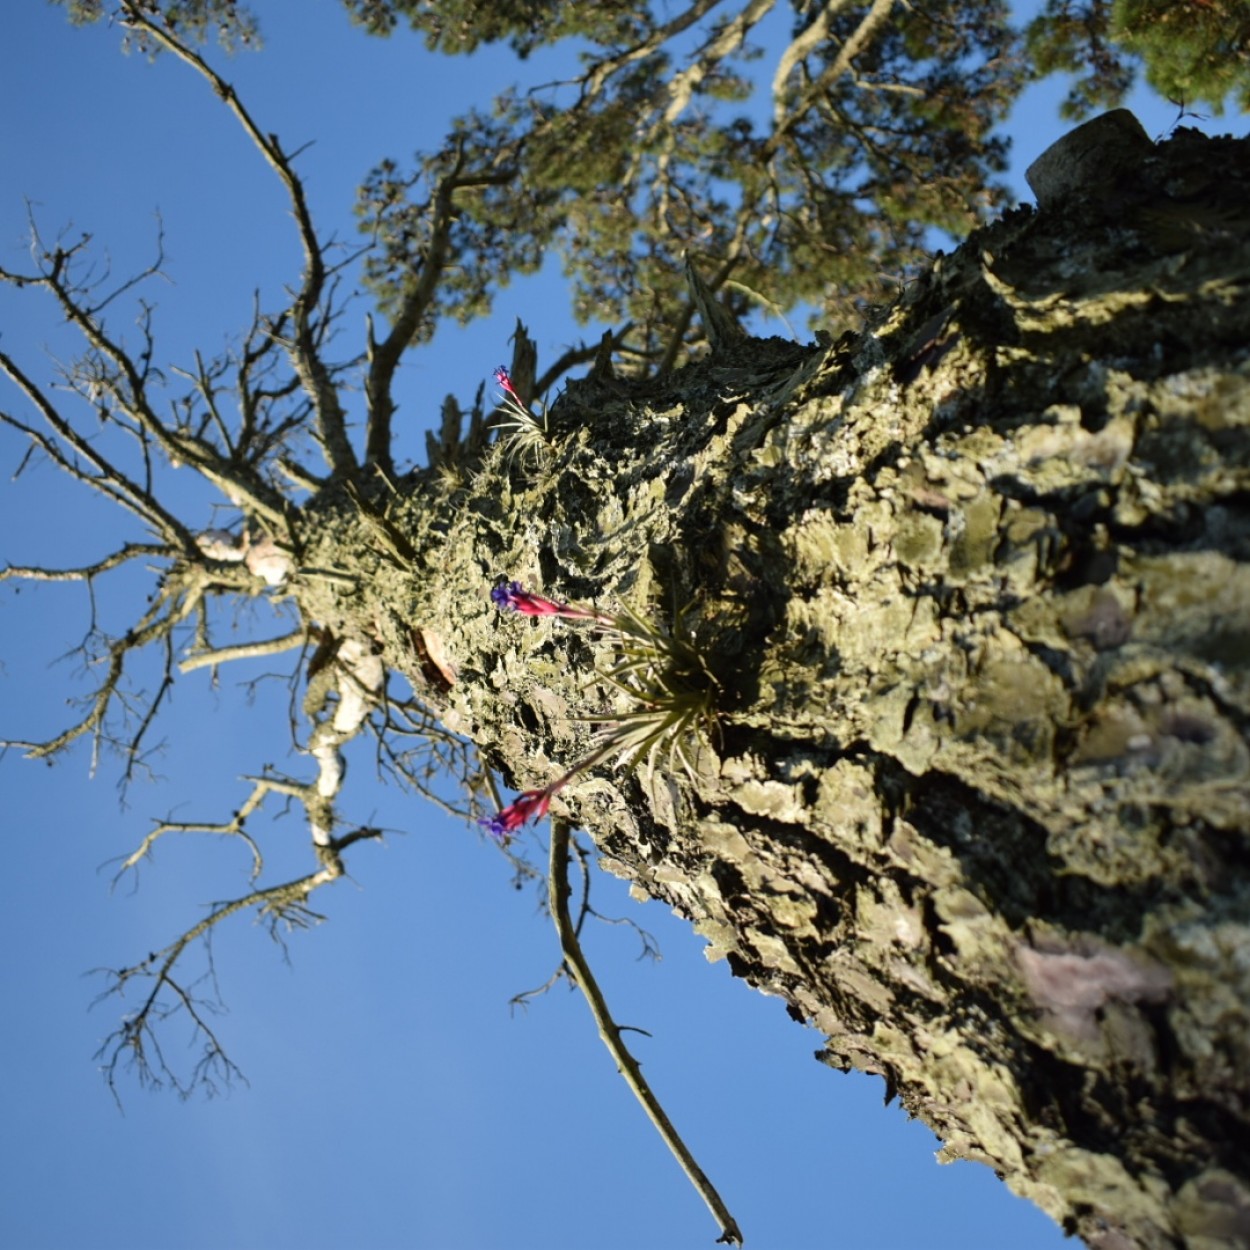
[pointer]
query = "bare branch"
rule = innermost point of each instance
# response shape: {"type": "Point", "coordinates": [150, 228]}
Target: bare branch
{"type": "Point", "coordinates": [108, 479]}
{"type": "Point", "coordinates": [305, 343]}
{"type": "Point", "coordinates": [262, 787]}
{"type": "Point", "coordinates": [135, 1042]}
{"type": "Point", "coordinates": [131, 551]}
{"type": "Point", "coordinates": [585, 911]}
{"type": "Point", "coordinates": [111, 373]}
{"type": "Point", "coordinates": [245, 651]}
{"type": "Point", "coordinates": [384, 356]}
{"type": "Point", "coordinates": [177, 599]}
{"type": "Point", "coordinates": [610, 1033]}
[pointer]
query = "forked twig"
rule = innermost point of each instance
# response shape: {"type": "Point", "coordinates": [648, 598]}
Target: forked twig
{"type": "Point", "coordinates": [610, 1032]}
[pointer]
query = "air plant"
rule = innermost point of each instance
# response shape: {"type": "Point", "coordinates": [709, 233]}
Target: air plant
{"type": "Point", "coordinates": [522, 432]}
{"type": "Point", "coordinates": [670, 692]}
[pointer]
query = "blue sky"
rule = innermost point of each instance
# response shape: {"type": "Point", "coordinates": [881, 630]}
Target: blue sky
{"type": "Point", "coordinates": [394, 1100]}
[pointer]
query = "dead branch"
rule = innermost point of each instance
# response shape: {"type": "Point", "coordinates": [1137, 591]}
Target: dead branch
{"type": "Point", "coordinates": [245, 651]}
{"type": "Point", "coordinates": [307, 315]}
{"type": "Point", "coordinates": [610, 1033]}
{"type": "Point", "coordinates": [110, 374]}
{"type": "Point", "coordinates": [262, 787]}
{"type": "Point", "coordinates": [174, 602]}
{"type": "Point", "coordinates": [585, 911]}
{"type": "Point", "coordinates": [131, 551]}
{"type": "Point", "coordinates": [135, 1042]}
{"type": "Point", "coordinates": [73, 452]}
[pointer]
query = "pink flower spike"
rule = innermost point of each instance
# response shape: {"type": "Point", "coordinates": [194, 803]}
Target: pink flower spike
{"type": "Point", "coordinates": [531, 804]}
{"type": "Point", "coordinates": [505, 381]}
{"type": "Point", "coordinates": [514, 598]}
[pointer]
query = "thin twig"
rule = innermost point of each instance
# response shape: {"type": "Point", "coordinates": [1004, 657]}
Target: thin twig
{"type": "Point", "coordinates": [610, 1032]}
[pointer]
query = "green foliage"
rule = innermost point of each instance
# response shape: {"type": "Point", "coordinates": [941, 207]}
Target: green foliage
{"type": "Point", "coordinates": [500, 224]}
{"type": "Point", "coordinates": [813, 183]}
{"type": "Point", "coordinates": [649, 154]}
{"type": "Point", "coordinates": [455, 26]}
{"type": "Point", "coordinates": [1195, 51]}
{"type": "Point", "coordinates": [192, 20]}
{"type": "Point", "coordinates": [1192, 51]}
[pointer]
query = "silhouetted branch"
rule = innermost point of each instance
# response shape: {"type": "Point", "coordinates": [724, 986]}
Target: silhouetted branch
{"type": "Point", "coordinates": [610, 1032]}
{"type": "Point", "coordinates": [74, 453]}
{"type": "Point", "coordinates": [175, 601]}
{"type": "Point", "coordinates": [306, 315]}
{"type": "Point", "coordinates": [136, 1044]}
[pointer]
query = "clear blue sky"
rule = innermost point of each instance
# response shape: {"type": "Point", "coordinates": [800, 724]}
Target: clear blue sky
{"type": "Point", "coordinates": [394, 1100]}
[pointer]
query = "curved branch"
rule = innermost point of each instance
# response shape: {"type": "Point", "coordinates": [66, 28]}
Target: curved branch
{"type": "Point", "coordinates": [800, 47]}
{"type": "Point", "coordinates": [597, 75]}
{"type": "Point", "coordinates": [610, 1032]}
{"type": "Point", "coordinates": [127, 386]}
{"type": "Point", "coordinates": [727, 40]}
{"type": "Point", "coordinates": [784, 121]}
{"type": "Point", "coordinates": [574, 356]}
{"type": "Point", "coordinates": [313, 372]}
{"type": "Point", "coordinates": [284, 904]}
{"type": "Point", "coordinates": [384, 357]}
{"type": "Point", "coordinates": [155, 624]}
{"type": "Point", "coordinates": [244, 651]}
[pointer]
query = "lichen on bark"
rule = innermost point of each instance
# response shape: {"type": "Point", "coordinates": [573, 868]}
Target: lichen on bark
{"type": "Point", "coordinates": [975, 586]}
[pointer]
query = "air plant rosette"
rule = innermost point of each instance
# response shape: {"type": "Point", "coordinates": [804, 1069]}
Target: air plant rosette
{"type": "Point", "coordinates": [523, 433]}
{"type": "Point", "coordinates": [661, 677]}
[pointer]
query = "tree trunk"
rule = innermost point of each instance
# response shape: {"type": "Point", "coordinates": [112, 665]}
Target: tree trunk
{"type": "Point", "coordinates": [974, 587]}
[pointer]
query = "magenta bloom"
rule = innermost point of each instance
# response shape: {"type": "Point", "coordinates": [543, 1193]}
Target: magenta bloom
{"type": "Point", "coordinates": [505, 381]}
{"type": "Point", "coordinates": [530, 804]}
{"type": "Point", "coordinates": [512, 597]}
{"type": "Point", "coordinates": [534, 803]}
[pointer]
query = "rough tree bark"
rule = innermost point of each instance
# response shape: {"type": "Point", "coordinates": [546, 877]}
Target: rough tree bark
{"type": "Point", "coordinates": [972, 591]}
{"type": "Point", "coordinates": [975, 586]}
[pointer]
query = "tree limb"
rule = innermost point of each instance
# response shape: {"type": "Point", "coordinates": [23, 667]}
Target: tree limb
{"type": "Point", "coordinates": [784, 120]}
{"type": "Point", "coordinates": [244, 651]}
{"type": "Point", "coordinates": [610, 1032]}
{"type": "Point", "coordinates": [304, 346]}
{"type": "Point", "coordinates": [108, 478]}
{"type": "Point", "coordinates": [415, 305]}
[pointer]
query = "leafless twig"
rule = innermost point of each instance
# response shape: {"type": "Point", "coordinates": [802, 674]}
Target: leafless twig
{"type": "Point", "coordinates": [610, 1032]}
